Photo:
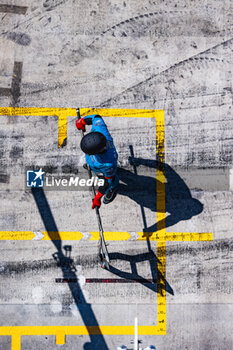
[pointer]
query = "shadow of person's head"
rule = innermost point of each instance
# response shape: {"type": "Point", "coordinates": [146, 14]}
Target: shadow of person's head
{"type": "Point", "coordinates": [145, 190]}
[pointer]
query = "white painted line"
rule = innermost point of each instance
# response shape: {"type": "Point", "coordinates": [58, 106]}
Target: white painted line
{"type": "Point", "coordinates": [231, 179]}
{"type": "Point", "coordinates": [81, 280]}
{"type": "Point", "coordinates": [136, 333]}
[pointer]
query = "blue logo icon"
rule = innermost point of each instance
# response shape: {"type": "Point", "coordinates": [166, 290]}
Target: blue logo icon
{"type": "Point", "coordinates": [35, 178]}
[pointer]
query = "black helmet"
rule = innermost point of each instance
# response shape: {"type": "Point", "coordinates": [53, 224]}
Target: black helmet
{"type": "Point", "coordinates": [93, 143]}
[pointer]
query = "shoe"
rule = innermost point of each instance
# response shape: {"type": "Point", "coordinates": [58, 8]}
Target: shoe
{"type": "Point", "coordinates": [85, 166]}
{"type": "Point", "coordinates": [109, 196]}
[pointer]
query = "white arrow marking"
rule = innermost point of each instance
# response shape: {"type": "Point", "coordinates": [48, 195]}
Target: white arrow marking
{"type": "Point", "coordinates": [134, 236]}
{"type": "Point", "coordinates": [38, 236]}
{"type": "Point", "coordinates": [86, 236]}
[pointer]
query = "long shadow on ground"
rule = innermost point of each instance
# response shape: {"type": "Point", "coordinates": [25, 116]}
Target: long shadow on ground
{"type": "Point", "coordinates": [68, 270]}
{"type": "Point", "coordinates": [157, 284]}
{"type": "Point", "coordinates": [142, 189]}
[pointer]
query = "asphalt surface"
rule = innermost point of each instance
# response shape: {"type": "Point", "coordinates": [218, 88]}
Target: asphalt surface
{"type": "Point", "coordinates": [175, 56]}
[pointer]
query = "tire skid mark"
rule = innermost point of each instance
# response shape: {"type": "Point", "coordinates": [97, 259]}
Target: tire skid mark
{"type": "Point", "coordinates": [219, 246]}
{"type": "Point", "coordinates": [50, 5]}
{"type": "Point", "coordinates": [150, 15]}
{"type": "Point", "coordinates": [30, 20]}
{"type": "Point", "coordinates": [224, 246]}
{"type": "Point", "coordinates": [21, 23]}
{"type": "Point", "coordinates": [189, 60]}
{"type": "Point", "coordinates": [180, 97]}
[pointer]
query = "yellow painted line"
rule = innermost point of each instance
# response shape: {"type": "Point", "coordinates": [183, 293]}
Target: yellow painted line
{"type": "Point", "coordinates": [16, 332]}
{"type": "Point", "coordinates": [62, 235]}
{"type": "Point", "coordinates": [175, 236]}
{"type": "Point", "coordinates": [188, 236]}
{"type": "Point", "coordinates": [60, 338]}
{"type": "Point", "coordinates": [161, 286]}
{"type": "Point", "coordinates": [16, 235]}
{"type": "Point", "coordinates": [64, 113]}
{"type": "Point", "coordinates": [29, 235]}
{"type": "Point", "coordinates": [37, 111]}
{"type": "Point", "coordinates": [122, 113]}
{"type": "Point", "coordinates": [71, 112]}
{"type": "Point", "coordinates": [62, 128]}
{"type": "Point", "coordinates": [61, 331]}
{"type": "Point", "coordinates": [162, 236]}
{"type": "Point", "coordinates": [16, 341]}
{"type": "Point", "coordinates": [160, 174]}
{"type": "Point", "coordinates": [109, 236]}
{"type": "Point", "coordinates": [61, 113]}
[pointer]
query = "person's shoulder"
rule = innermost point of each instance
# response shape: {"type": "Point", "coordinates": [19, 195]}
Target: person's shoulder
{"type": "Point", "coordinates": [98, 120]}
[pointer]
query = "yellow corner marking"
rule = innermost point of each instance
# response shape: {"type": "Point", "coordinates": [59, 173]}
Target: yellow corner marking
{"type": "Point", "coordinates": [64, 113]}
{"type": "Point", "coordinates": [61, 113]}
{"type": "Point", "coordinates": [61, 331]}
{"type": "Point", "coordinates": [62, 129]}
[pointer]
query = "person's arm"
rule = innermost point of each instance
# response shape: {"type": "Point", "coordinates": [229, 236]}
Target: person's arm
{"type": "Point", "coordinates": [89, 120]}
{"type": "Point", "coordinates": [99, 194]}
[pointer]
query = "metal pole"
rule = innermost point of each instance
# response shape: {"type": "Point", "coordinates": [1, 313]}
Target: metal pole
{"type": "Point", "coordinates": [101, 231]}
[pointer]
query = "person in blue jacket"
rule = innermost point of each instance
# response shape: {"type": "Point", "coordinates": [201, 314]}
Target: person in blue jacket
{"type": "Point", "coordinates": [101, 156]}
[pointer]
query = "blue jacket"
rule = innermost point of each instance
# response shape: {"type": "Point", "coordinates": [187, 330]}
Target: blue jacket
{"type": "Point", "coordinates": [105, 163]}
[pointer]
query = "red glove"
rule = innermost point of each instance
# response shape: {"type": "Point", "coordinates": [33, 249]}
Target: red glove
{"type": "Point", "coordinates": [96, 200]}
{"type": "Point", "coordinates": [80, 124]}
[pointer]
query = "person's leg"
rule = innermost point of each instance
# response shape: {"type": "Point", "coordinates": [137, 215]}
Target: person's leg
{"type": "Point", "coordinates": [111, 191]}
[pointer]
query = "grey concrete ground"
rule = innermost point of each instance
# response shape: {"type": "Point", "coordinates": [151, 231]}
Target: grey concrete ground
{"type": "Point", "coordinates": [171, 55]}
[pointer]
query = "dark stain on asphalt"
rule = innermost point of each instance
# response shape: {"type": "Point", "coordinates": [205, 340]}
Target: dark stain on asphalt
{"type": "Point", "coordinates": [215, 247]}
{"type": "Point", "coordinates": [5, 91]}
{"type": "Point", "coordinates": [4, 178]}
{"type": "Point", "coordinates": [199, 278]}
{"type": "Point", "coordinates": [16, 82]}
{"type": "Point", "coordinates": [211, 250]}
{"type": "Point", "coordinates": [19, 38]}
{"type": "Point", "coordinates": [19, 10]}
{"type": "Point", "coordinates": [16, 152]}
